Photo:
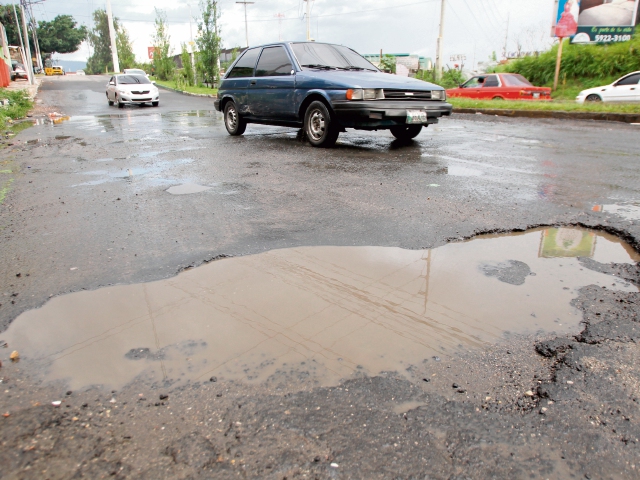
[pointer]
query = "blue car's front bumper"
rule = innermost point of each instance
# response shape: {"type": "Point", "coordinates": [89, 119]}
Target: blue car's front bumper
{"type": "Point", "coordinates": [384, 114]}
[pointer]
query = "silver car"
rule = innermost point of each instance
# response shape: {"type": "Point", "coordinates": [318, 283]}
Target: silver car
{"type": "Point", "coordinates": [130, 89]}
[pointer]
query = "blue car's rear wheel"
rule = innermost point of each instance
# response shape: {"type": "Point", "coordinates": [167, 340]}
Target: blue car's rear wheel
{"type": "Point", "coordinates": [235, 125]}
{"type": "Point", "coordinates": [320, 127]}
{"type": "Point", "coordinates": [406, 132]}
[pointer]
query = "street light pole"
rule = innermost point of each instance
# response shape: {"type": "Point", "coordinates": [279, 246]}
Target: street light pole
{"type": "Point", "coordinates": [308, 20]}
{"type": "Point", "coordinates": [440, 43]}
{"type": "Point", "coordinates": [246, 24]}
{"type": "Point", "coordinates": [112, 36]}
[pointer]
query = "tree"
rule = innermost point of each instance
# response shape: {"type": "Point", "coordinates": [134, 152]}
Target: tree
{"type": "Point", "coordinates": [388, 64]}
{"type": "Point", "coordinates": [208, 42]}
{"type": "Point", "coordinates": [162, 63]}
{"type": "Point", "coordinates": [187, 67]}
{"type": "Point", "coordinates": [61, 35]}
{"type": "Point", "coordinates": [126, 56]}
{"type": "Point", "coordinates": [8, 19]}
{"type": "Point", "coordinates": [100, 41]}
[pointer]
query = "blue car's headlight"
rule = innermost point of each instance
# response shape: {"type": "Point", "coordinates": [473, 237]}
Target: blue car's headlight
{"type": "Point", "coordinates": [438, 95]}
{"type": "Point", "coordinates": [365, 94]}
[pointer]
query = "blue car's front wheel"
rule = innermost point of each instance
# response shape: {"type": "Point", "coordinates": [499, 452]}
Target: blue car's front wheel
{"type": "Point", "coordinates": [235, 125]}
{"type": "Point", "coordinates": [320, 127]}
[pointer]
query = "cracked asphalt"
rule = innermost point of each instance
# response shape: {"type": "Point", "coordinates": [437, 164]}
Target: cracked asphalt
{"type": "Point", "coordinates": [86, 206]}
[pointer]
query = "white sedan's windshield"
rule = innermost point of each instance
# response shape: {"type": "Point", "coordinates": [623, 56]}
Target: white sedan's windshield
{"type": "Point", "coordinates": [322, 55]}
{"type": "Point", "coordinates": [132, 79]}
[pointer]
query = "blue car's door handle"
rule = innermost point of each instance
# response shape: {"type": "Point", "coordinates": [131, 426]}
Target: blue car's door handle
{"type": "Point", "coordinates": [253, 82]}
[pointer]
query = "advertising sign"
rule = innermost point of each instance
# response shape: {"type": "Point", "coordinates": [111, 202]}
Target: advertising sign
{"type": "Point", "coordinates": [566, 20]}
{"type": "Point", "coordinates": [150, 52]}
{"type": "Point", "coordinates": [605, 21]}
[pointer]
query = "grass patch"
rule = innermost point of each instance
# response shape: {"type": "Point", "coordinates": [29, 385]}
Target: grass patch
{"type": "Point", "coordinates": [4, 189]}
{"type": "Point", "coordinates": [563, 106]}
{"type": "Point", "coordinates": [199, 90]}
{"type": "Point", "coordinates": [19, 106]}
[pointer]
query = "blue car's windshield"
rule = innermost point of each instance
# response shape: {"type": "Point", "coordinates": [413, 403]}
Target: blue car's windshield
{"type": "Point", "coordinates": [321, 55]}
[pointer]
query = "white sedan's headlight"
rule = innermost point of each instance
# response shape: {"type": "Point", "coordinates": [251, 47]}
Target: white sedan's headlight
{"type": "Point", "coordinates": [122, 91]}
{"type": "Point", "coordinates": [582, 93]}
{"type": "Point", "coordinates": [438, 95]}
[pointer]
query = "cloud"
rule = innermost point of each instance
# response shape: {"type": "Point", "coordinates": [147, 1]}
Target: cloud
{"type": "Point", "coordinates": [473, 28]}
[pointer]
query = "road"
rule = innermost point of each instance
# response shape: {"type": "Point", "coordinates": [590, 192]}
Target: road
{"type": "Point", "coordinates": [87, 207]}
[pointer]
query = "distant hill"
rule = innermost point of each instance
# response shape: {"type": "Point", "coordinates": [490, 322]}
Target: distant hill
{"type": "Point", "coordinates": [70, 65]}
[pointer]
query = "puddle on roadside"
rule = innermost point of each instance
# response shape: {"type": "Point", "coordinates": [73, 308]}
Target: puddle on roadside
{"type": "Point", "coordinates": [462, 171]}
{"type": "Point", "coordinates": [627, 211]}
{"type": "Point", "coordinates": [321, 312]}
{"type": "Point", "coordinates": [187, 188]}
{"type": "Point", "coordinates": [149, 173]}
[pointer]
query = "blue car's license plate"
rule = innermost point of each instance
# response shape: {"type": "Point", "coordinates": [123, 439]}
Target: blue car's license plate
{"type": "Point", "coordinates": [416, 116]}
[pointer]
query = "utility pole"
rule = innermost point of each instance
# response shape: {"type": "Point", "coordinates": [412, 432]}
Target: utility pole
{"type": "Point", "coordinates": [308, 20]}
{"type": "Point", "coordinates": [193, 49]}
{"type": "Point", "coordinates": [246, 24]}
{"type": "Point", "coordinates": [34, 31]}
{"type": "Point", "coordinates": [27, 47]}
{"type": "Point", "coordinates": [506, 37]}
{"type": "Point", "coordinates": [439, 53]}
{"type": "Point", "coordinates": [279, 16]}
{"type": "Point", "coordinates": [24, 56]}
{"type": "Point", "coordinates": [112, 36]}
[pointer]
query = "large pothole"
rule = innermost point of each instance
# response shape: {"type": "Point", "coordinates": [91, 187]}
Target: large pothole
{"type": "Point", "coordinates": [320, 312]}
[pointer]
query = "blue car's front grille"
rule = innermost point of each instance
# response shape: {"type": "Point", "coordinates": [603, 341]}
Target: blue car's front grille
{"type": "Point", "coordinates": [407, 94]}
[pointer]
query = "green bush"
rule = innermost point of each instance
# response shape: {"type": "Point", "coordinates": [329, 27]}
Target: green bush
{"type": "Point", "coordinates": [588, 64]}
{"type": "Point", "coordinates": [451, 78]}
{"type": "Point", "coordinates": [19, 105]}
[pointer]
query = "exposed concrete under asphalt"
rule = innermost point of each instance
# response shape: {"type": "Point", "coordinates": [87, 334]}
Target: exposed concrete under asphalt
{"type": "Point", "coordinates": [88, 207]}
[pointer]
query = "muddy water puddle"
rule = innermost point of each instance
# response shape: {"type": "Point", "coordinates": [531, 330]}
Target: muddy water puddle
{"type": "Point", "coordinates": [319, 312]}
{"type": "Point", "coordinates": [187, 189]}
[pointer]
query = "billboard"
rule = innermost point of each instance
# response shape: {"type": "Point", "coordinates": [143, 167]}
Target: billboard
{"type": "Point", "coordinates": [598, 21]}
{"type": "Point", "coordinates": [566, 19]}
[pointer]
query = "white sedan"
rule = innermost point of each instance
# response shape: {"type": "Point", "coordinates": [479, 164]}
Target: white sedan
{"type": "Point", "coordinates": [135, 71]}
{"type": "Point", "coordinates": [124, 89]}
{"type": "Point", "coordinates": [626, 89]}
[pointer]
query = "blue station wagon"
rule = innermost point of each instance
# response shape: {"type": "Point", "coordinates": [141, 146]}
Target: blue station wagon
{"type": "Point", "coordinates": [324, 89]}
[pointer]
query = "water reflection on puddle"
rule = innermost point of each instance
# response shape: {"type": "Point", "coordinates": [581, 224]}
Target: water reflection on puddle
{"type": "Point", "coordinates": [326, 311]}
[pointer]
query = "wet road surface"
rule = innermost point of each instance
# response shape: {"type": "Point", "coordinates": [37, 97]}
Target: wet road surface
{"type": "Point", "coordinates": [105, 196]}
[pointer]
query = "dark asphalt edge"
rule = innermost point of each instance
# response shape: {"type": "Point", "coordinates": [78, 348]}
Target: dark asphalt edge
{"type": "Point", "coordinates": [557, 114]}
{"type": "Point", "coordinates": [624, 235]}
{"type": "Point", "coordinates": [184, 92]}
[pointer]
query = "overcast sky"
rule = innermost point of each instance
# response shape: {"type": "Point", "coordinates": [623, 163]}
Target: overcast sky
{"type": "Point", "coordinates": [474, 28]}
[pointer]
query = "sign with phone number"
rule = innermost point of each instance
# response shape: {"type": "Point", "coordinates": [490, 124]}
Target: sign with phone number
{"type": "Point", "coordinates": [603, 34]}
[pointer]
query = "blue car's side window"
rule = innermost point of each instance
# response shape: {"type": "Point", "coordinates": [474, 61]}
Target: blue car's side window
{"type": "Point", "coordinates": [246, 64]}
{"type": "Point", "coordinates": [274, 62]}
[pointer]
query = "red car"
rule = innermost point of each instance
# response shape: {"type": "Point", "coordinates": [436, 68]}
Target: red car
{"type": "Point", "coordinates": [500, 86]}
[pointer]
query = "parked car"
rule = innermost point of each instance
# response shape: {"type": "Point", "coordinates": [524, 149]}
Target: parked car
{"type": "Point", "coordinates": [324, 89]}
{"type": "Point", "coordinates": [130, 89]}
{"type": "Point", "coordinates": [625, 89]}
{"type": "Point", "coordinates": [500, 86]}
{"type": "Point", "coordinates": [18, 71]}
{"type": "Point", "coordinates": [135, 71]}
{"type": "Point", "coordinates": [80, 72]}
